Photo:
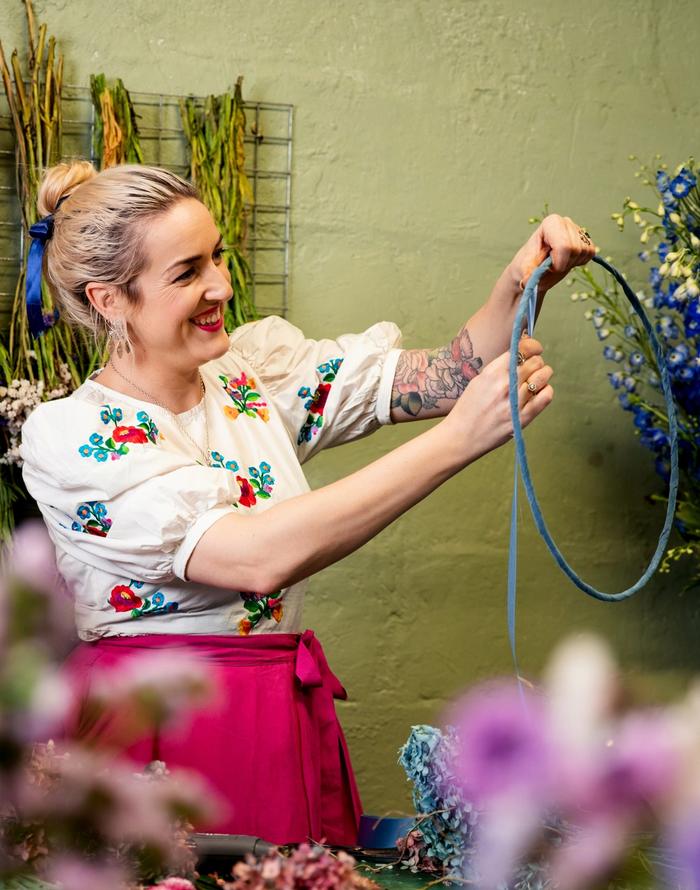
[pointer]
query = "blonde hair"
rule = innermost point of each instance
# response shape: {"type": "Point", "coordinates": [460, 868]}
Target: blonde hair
{"type": "Point", "coordinates": [98, 230]}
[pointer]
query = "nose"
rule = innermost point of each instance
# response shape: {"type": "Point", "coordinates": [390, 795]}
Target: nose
{"type": "Point", "coordinates": [218, 283]}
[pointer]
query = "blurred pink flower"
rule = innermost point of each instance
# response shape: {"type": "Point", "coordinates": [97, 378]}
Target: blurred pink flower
{"type": "Point", "coordinates": [173, 884]}
{"type": "Point", "coordinates": [589, 854]}
{"type": "Point", "coordinates": [33, 557]}
{"type": "Point", "coordinates": [155, 687]}
{"type": "Point", "coordinates": [73, 873]}
{"type": "Point", "coordinates": [49, 702]}
{"type": "Point", "coordinates": [505, 748]}
{"type": "Point", "coordinates": [636, 770]}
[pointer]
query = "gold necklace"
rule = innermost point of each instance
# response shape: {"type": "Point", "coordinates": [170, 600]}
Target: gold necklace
{"type": "Point", "coordinates": [205, 454]}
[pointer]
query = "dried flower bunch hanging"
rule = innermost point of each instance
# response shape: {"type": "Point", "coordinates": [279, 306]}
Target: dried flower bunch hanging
{"type": "Point", "coordinates": [51, 365]}
{"type": "Point", "coordinates": [216, 135]}
{"type": "Point", "coordinates": [116, 135]}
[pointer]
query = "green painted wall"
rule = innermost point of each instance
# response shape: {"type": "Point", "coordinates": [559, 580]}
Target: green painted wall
{"type": "Point", "coordinates": [426, 133]}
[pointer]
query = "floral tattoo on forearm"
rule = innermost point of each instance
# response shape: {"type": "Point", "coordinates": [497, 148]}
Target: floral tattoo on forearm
{"type": "Point", "coordinates": [425, 377]}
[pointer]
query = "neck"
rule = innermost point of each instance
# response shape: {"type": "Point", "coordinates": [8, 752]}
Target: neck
{"type": "Point", "coordinates": [177, 389]}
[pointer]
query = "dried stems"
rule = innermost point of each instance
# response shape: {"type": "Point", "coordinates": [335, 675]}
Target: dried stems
{"type": "Point", "coordinates": [116, 135]}
{"type": "Point", "coordinates": [34, 99]}
{"type": "Point", "coordinates": [60, 357]}
{"type": "Point", "coordinates": [216, 134]}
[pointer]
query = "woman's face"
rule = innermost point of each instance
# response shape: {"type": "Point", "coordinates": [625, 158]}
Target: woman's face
{"type": "Point", "coordinates": [178, 319]}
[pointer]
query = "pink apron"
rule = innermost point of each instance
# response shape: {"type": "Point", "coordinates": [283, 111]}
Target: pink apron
{"type": "Point", "coordinates": [271, 745]}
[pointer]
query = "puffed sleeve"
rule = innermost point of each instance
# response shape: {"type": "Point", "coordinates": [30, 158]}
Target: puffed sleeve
{"type": "Point", "coordinates": [140, 512]}
{"type": "Point", "coordinates": [327, 391]}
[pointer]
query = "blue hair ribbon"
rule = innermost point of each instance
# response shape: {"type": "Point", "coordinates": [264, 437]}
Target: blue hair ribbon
{"type": "Point", "coordinates": [527, 305]}
{"type": "Point", "coordinates": [39, 321]}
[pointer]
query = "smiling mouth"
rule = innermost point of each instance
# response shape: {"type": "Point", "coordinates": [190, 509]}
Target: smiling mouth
{"type": "Point", "coordinates": [210, 321]}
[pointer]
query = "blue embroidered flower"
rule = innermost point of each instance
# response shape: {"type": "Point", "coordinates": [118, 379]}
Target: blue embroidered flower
{"type": "Point", "coordinates": [95, 520]}
{"type": "Point", "coordinates": [637, 360]}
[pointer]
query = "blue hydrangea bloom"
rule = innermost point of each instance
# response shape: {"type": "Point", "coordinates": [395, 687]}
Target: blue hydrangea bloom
{"type": "Point", "coordinates": [427, 758]}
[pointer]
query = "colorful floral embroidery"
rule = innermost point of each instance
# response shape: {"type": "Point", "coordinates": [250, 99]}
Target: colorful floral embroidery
{"type": "Point", "coordinates": [260, 606]}
{"type": "Point", "coordinates": [218, 460]}
{"type": "Point", "coordinates": [241, 391]}
{"type": "Point", "coordinates": [259, 485]}
{"type": "Point", "coordinates": [115, 446]}
{"type": "Point", "coordinates": [97, 522]}
{"type": "Point", "coordinates": [125, 599]}
{"type": "Point", "coordinates": [315, 403]}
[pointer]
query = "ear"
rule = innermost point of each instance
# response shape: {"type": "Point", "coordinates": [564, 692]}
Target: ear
{"type": "Point", "coordinates": [105, 298]}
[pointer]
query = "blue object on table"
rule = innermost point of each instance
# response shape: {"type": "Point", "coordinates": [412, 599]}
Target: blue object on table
{"type": "Point", "coordinates": [382, 832]}
{"type": "Point", "coordinates": [528, 304]}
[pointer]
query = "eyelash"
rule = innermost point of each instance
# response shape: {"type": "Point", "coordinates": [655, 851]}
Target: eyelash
{"type": "Point", "coordinates": [185, 276]}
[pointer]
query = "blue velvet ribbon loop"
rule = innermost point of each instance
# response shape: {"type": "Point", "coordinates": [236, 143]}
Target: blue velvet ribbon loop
{"type": "Point", "coordinates": [527, 305]}
{"type": "Point", "coordinates": [39, 322]}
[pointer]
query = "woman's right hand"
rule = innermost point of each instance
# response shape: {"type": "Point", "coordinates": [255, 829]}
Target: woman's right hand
{"type": "Point", "coordinates": [481, 418]}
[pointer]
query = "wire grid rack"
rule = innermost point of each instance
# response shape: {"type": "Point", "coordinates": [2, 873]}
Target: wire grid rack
{"type": "Point", "coordinates": [268, 165]}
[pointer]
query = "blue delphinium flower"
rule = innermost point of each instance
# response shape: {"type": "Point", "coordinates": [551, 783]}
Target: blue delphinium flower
{"type": "Point", "coordinates": [681, 184]}
{"type": "Point", "coordinates": [668, 328]}
{"type": "Point", "coordinates": [692, 318]}
{"type": "Point", "coordinates": [663, 184]}
{"type": "Point", "coordinates": [677, 357]}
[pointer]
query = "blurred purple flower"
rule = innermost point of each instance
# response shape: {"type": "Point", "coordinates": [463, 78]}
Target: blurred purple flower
{"type": "Point", "coordinates": [588, 854]}
{"type": "Point", "coordinates": [155, 687]}
{"type": "Point", "coordinates": [683, 842]}
{"type": "Point", "coordinates": [73, 873]}
{"type": "Point", "coordinates": [505, 745]}
{"type": "Point", "coordinates": [637, 770]}
{"type": "Point", "coordinates": [50, 701]}
{"type": "Point", "coordinates": [33, 558]}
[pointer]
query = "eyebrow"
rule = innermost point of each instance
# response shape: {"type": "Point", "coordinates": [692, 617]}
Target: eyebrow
{"type": "Point", "coordinates": [192, 259]}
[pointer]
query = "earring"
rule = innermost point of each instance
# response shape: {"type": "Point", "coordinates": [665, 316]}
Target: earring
{"type": "Point", "coordinates": [118, 336]}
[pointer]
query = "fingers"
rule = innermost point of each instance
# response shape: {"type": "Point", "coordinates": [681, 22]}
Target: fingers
{"type": "Point", "coordinates": [535, 405]}
{"type": "Point", "coordinates": [570, 244]}
{"type": "Point", "coordinates": [528, 346]}
{"type": "Point", "coordinates": [534, 384]}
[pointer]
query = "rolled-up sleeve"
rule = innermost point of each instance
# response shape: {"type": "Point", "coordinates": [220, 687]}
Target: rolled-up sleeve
{"type": "Point", "coordinates": [327, 392]}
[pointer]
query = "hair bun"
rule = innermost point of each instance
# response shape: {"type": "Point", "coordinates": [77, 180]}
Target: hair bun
{"type": "Point", "coordinates": [59, 181]}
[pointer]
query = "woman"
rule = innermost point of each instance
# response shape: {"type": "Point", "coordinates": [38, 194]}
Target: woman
{"type": "Point", "coordinates": [174, 492]}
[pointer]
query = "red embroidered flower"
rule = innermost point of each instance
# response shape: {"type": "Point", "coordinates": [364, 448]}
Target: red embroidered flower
{"type": "Point", "coordinates": [124, 599]}
{"type": "Point", "coordinates": [320, 398]}
{"type": "Point", "coordinates": [247, 498]}
{"type": "Point", "coordinates": [244, 627]}
{"type": "Point", "coordinates": [129, 434]}
{"type": "Point", "coordinates": [96, 530]}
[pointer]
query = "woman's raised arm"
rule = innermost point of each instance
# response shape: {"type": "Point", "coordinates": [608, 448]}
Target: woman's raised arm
{"type": "Point", "coordinates": [427, 382]}
{"type": "Point", "coordinates": [301, 536]}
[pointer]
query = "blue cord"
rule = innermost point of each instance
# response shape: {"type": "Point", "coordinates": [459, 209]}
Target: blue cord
{"type": "Point", "coordinates": [527, 304]}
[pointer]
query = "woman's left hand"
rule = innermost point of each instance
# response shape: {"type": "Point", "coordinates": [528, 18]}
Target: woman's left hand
{"type": "Point", "coordinates": [560, 237]}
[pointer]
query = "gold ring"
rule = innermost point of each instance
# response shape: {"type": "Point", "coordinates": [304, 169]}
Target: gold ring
{"type": "Point", "coordinates": [521, 358]}
{"type": "Point", "coordinates": [585, 237]}
{"type": "Point", "coordinates": [532, 387]}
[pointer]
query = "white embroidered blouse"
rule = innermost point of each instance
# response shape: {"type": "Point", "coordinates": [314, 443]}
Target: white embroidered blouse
{"type": "Point", "coordinates": [126, 497]}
